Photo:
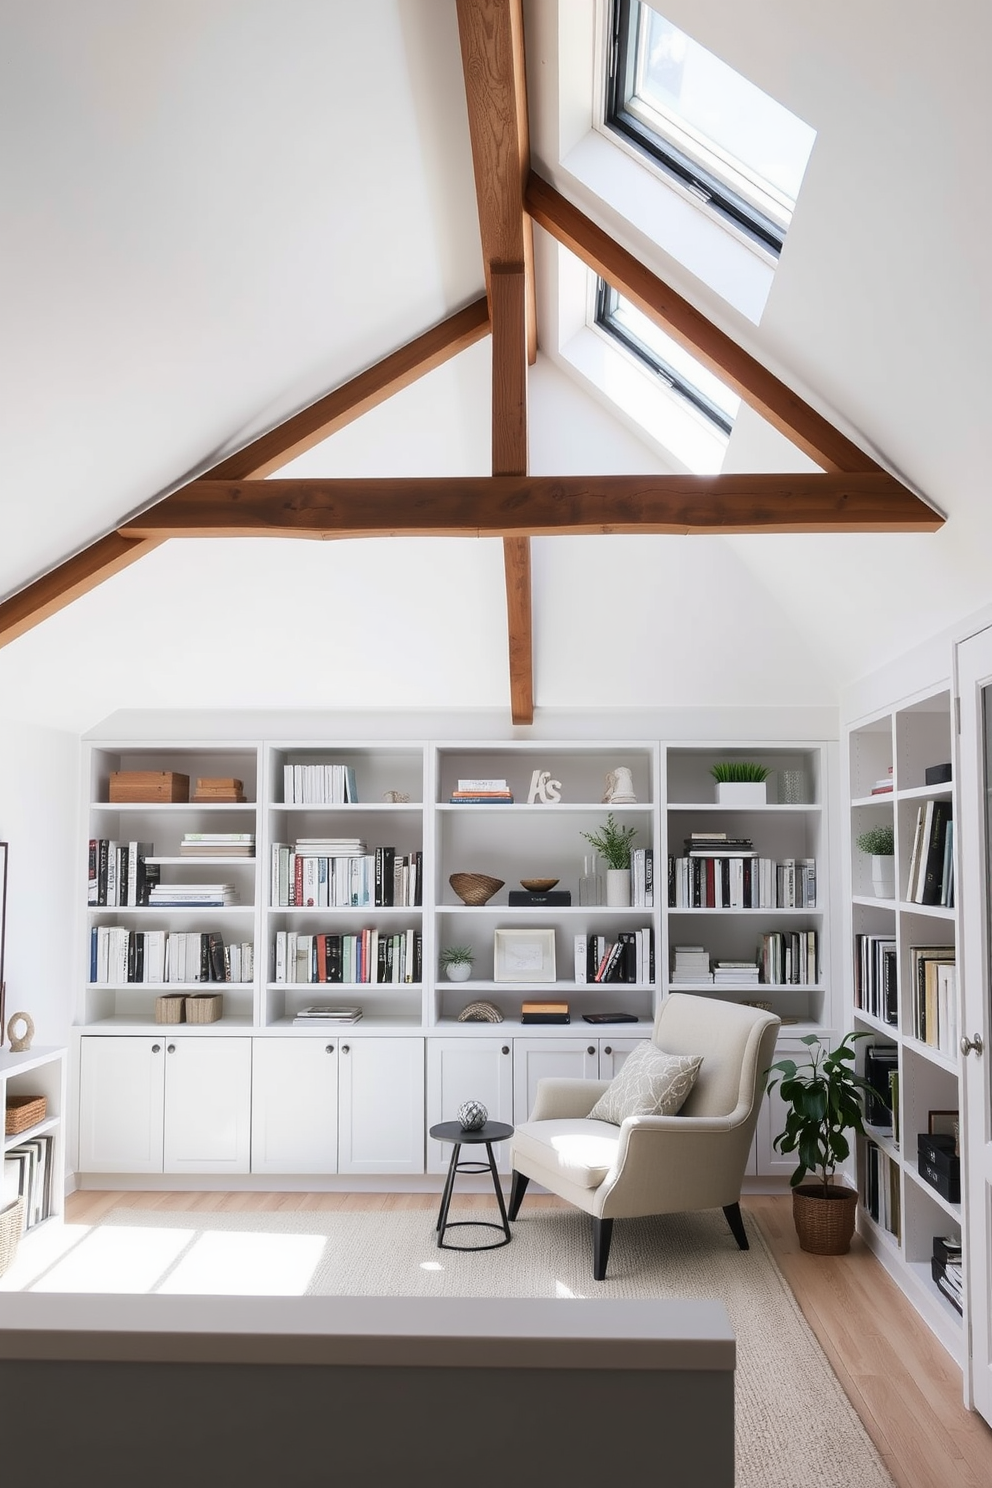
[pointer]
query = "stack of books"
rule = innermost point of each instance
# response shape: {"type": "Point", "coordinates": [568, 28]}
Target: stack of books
{"type": "Point", "coordinates": [218, 788]}
{"type": "Point", "coordinates": [217, 845]}
{"type": "Point", "coordinates": [691, 964]}
{"type": "Point", "coordinates": [736, 974]}
{"type": "Point", "coordinates": [321, 1016]}
{"type": "Point", "coordinates": [544, 1012]}
{"type": "Point", "coordinates": [481, 792]}
{"type": "Point", "coordinates": [945, 1268]}
{"type": "Point", "coordinates": [182, 896]}
{"type": "Point", "coordinates": [883, 787]}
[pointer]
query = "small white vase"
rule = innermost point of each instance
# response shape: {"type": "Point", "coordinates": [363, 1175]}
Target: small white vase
{"type": "Point", "coordinates": [618, 887]}
{"type": "Point", "coordinates": [741, 792]}
{"type": "Point", "coordinates": [459, 971]}
{"type": "Point", "coordinates": [883, 876]}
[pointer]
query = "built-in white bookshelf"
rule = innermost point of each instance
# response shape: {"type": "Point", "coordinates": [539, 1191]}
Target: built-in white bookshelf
{"type": "Point", "coordinates": [901, 1211]}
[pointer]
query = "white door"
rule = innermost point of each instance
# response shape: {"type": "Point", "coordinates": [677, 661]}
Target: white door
{"type": "Point", "coordinates": [294, 1105]}
{"type": "Point", "coordinates": [381, 1107]}
{"type": "Point", "coordinates": [207, 1105]}
{"type": "Point", "coordinates": [462, 1069]}
{"type": "Point", "coordinates": [121, 1104]}
{"type": "Point", "coordinates": [548, 1058]}
{"type": "Point", "coordinates": [973, 829]}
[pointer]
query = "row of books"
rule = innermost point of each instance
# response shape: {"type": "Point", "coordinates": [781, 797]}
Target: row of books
{"type": "Point", "coordinates": [27, 1173]}
{"type": "Point", "coordinates": [784, 958]}
{"type": "Point", "coordinates": [876, 983]}
{"type": "Point", "coordinates": [626, 957]}
{"type": "Point", "coordinates": [933, 975]}
{"type": "Point", "coordinates": [366, 956]}
{"type": "Point", "coordinates": [119, 955]}
{"type": "Point", "coordinates": [931, 863]}
{"type": "Point", "coordinates": [740, 881]}
{"type": "Point", "coordinates": [119, 873]}
{"type": "Point", "coordinates": [342, 874]}
{"type": "Point", "coordinates": [881, 1064]}
{"type": "Point", "coordinates": [642, 877]}
{"type": "Point", "coordinates": [880, 1189]}
{"type": "Point", "coordinates": [319, 785]}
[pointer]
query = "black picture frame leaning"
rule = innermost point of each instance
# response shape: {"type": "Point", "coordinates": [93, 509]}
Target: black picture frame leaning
{"type": "Point", "coordinates": [4, 846]}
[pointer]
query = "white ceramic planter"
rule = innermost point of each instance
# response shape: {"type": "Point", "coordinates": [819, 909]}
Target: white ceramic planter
{"type": "Point", "coordinates": [617, 887]}
{"type": "Point", "coordinates": [741, 792]}
{"type": "Point", "coordinates": [459, 971]}
{"type": "Point", "coordinates": [883, 876]}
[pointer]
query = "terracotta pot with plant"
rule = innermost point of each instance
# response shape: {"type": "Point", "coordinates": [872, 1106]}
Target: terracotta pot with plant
{"type": "Point", "coordinates": [825, 1102]}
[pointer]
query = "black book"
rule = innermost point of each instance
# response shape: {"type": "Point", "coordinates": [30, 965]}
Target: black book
{"type": "Point", "coordinates": [545, 1017]}
{"type": "Point", "coordinates": [671, 880]}
{"type": "Point", "coordinates": [378, 877]}
{"type": "Point", "coordinates": [204, 957]}
{"type": "Point", "coordinates": [418, 897]}
{"type": "Point", "coordinates": [216, 943]}
{"type": "Point", "coordinates": [131, 948]}
{"type": "Point", "coordinates": [609, 1018]}
{"type": "Point", "coordinates": [418, 955]}
{"type": "Point", "coordinates": [880, 1059]}
{"type": "Point", "coordinates": [522, 897]}
{"type": "Point", "coordinates": [388, 870]}
{"type": "Point", "coordinates": [103, 855]}
{"type": "Point", "coordinates": [628, 957]}
{"type": "Point", "coordinates": [335, 963]}
{"type": "Point", "coordinates": [139, 956]}
{"type": "Point", "coordinates": [381, 961]}
{"type": "Point", "coordinates": [934, 854]}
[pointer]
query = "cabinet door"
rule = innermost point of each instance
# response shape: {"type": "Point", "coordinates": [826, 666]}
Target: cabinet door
{"type": "Point", "coordinates": [121, 1111]}
{"type": "Point", "coordinates": [207, 1105]}
{"type": "Point", "coordinates": [461, 1069]}
{"type": "Point", "coordinates": [538, 1059]}
{"type": "Point", "coordinates": [381, 1107]}
{"type": "Point", "coordinates": [771, 1120]}
{"type": "Point", "coordinates": [294, 1105]}
{"type": "Point", "coordinates": [612, 1053]}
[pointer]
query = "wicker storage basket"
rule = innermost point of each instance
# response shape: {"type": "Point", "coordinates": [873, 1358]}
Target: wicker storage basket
{"type": "Point", "coordinates": [23, 1111]}
{"type": "Point", "coordinates": [11, 1225]}
{"type": "Point", "coordinates": [475, 888]}
{"type": "Point", "coordinates": [825, 1226]}
{"type": "Point", "coordinates": [204, 1007]}
{"type": "Point", "coordinates": [170, 1009]}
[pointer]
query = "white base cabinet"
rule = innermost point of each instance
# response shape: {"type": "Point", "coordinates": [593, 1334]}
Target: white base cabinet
{"type": "Point", "coordinates": [381, 1105]}
{"type": "Point", "coordinates": [164, 1105]}
{"type": "Point", "coordinates": [462, 1069]}
{"type": "Point", "coordinates": [549, 1058]}
{"type": "Point", "coordinates": [294, 1105]}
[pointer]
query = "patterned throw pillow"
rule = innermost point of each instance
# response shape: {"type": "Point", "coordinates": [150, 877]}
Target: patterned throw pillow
{"type": "Point", "coordinates": [650, 1083]}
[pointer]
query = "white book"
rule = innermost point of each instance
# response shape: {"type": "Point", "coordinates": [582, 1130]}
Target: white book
{"type": "Point", "coordinates": [581, 946]}
{"type": "Point", "coordinates": [480, 784]}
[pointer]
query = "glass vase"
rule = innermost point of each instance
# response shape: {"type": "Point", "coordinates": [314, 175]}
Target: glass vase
{"type": "Point", "coordinates": [591, 882]}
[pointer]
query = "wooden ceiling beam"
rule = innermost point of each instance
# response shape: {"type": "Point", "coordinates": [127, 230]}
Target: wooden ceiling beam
{"type": "Point", "coordinates": [537, 506]}
{"type": "Point", "coordinates": [508, 291]}
{"type": "Point", "coordinates": [759, 388]}
{"type": "Point", "coordinates": [73, 578]}
{"type": "Point", "coordinates": [348, 402]}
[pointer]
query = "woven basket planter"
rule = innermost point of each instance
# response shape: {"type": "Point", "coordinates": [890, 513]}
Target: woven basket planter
{"type": "Point", "coordinates": [11, 1225]}
{"type": "Point", "coordinates": [825, 1225]}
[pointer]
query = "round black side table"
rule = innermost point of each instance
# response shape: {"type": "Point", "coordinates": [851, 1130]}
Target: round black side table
{"type": "Point", "coordinates": [453, 1131]}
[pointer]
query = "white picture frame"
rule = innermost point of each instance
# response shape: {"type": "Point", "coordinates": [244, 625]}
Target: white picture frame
{"type": "Point", "coordinates": [523, 956]}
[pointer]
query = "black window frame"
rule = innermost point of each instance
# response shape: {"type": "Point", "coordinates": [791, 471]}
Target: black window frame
{"type": "Point", "coordinates": [606, 302]}
{"type": "Point", "coordinates": [708, 188]}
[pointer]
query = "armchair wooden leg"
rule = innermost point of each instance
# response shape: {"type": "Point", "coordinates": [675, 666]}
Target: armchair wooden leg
{"type": "Point", "coordinates": [602, 1234]}
{"type": "Point", "coordinates": [736, 1222]}
{"type": "Point", "coordinates": [518, 1187]}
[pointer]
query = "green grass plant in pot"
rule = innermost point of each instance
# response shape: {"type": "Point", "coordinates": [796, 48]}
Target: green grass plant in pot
{"type": "Point", "coordinates": [457, 962]}
{"type": "Point", "coordinates": [613, 842]}
{"type": "Point", "coordinates": [740, 782]}
{"type": "Point", "coordinates": [880, 845]}
{"type": "Point", "coordinates": [824, 1100]}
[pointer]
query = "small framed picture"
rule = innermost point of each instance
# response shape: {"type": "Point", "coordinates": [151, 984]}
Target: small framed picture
{"type": "Point", "coordinates": [524, 956]}
{"type": "Point", "coordinates": [942, 1123]}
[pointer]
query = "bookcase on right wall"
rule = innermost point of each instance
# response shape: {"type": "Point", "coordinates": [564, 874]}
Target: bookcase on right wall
{"type": "Point", "coordinates": [903, 940]}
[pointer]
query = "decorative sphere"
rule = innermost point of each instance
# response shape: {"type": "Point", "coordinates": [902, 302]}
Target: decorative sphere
{"type": "Point", "coordinates": [472, 1115]}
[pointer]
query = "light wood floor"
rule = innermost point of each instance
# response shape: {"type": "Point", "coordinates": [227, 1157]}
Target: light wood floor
{"type": "Point", "coordinates": [903, 1385]}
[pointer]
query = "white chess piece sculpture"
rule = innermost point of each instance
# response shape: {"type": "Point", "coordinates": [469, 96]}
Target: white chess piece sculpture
{"type": "Point", "coordinates": [620, 788]}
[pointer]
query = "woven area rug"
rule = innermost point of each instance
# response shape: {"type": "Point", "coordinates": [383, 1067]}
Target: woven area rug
{"type": "Point", "coordinates": [795, 1426]}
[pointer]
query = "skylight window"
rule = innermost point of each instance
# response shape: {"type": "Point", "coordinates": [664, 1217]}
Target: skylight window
{"type": "Point", "coordinates": [675, 367]}
{"type": "Point", "coordinates": [714, 133]}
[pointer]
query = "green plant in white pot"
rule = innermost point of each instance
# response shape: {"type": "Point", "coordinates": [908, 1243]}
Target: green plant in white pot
{"type": "Point", "coordinates": [740, 782]}
{"type": "Point", "coordinates": [613, 842]}
{"type": "Point", "coordinates": [880, 845]}
{"type": "Point", "coordinates": [457, 962]}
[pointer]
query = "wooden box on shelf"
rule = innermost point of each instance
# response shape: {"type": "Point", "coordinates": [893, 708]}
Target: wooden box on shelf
{"type": "Point", "coordinates": [204, 1007]}
{"type": "Point", "coordinates": [170, 1009]}
{"type": "Point", "coordinates": [128, 787]}
{"type": "Point", "coordinates": [23, 1112]}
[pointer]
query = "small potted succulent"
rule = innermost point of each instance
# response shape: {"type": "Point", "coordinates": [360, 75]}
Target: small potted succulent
{"type": "Point", "coordinates": [740, 783]}
{"type": "Point", "coordinates": [457, 962]}
{"type": "Point", "coordinates": [612, 843]}
{"type": "Point", "coordinates": [880, 845]}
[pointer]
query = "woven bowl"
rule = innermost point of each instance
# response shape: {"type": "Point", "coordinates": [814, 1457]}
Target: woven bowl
{"type": "Point", "coordinates": [475, 888]}
{"type": "Point", "coordinates": [538, 885]}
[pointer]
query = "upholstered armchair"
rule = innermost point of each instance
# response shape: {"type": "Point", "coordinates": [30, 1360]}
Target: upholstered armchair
{"type": "Point", "coordinates": [640, 1164]}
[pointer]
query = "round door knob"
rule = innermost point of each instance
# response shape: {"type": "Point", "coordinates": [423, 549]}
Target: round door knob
{"type": "Point", "coordinates": [969, 1044]}
{"type": "Point", "coordinates": [156, 1048]}
{"type": "Point", "coordinates": [505, 1049]}
{"type": "Point", "coordinates": [329, 1049]}
{"type": "Point", "coordinates": [345, 1048]}
{"type": "Point", "coordinates": [591, 1049]}
{"type": "Point", "coordinates": [171, 1049]}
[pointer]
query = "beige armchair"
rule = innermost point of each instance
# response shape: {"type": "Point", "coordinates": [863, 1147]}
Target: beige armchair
{"type": "Point", "coordinates": [655, 1164]}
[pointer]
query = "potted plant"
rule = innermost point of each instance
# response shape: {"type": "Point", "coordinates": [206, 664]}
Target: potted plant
{"type": "Point", "coordinates": [457, 962]}
{"type": "Point", "coordinates": [880, 844]}
{"type": "Point", "coordinates": [740, 782]}
{"type": "Point", "coordinates": [824, 1098]}
{"type": "Point", "coordinates": [612, 843]}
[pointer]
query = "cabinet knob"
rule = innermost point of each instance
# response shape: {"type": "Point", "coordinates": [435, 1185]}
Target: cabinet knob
{"type": "Point", "coordinates": [608, 1049]}
{"type": "Point", "coordinates": [505, 1049]}
{"type": "Point", "coordinates": [591, 1049]}
{"type": "Point", "coordinates": [329, 1049]}
{"type": "Point", "coordinates": [345, 1048]}
{"type": "Point", "coordinates": [969, 1044]}
{"type": "Point", "coordinates": [171, 1049]}
{"type": "Point", "coordinates": [156, 1048]}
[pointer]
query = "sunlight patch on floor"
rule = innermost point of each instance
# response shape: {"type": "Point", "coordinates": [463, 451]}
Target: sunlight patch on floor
{"type": "Point", "coordinates": [225, 1264]}
{"type": "Point", "coordinates": [115, 1258]}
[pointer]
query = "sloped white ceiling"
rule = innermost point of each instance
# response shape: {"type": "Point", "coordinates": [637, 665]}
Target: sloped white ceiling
{"type": "Point", "coordinates": [214, 210]}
